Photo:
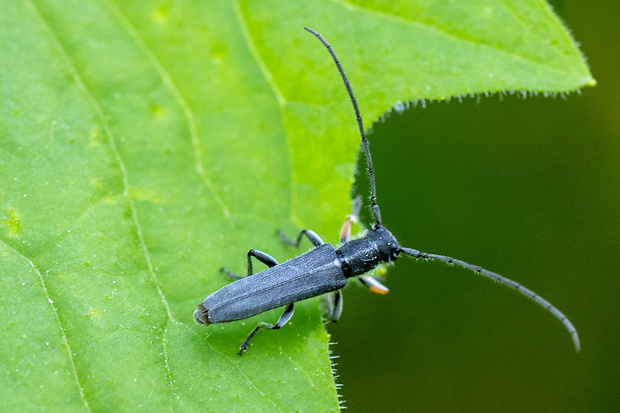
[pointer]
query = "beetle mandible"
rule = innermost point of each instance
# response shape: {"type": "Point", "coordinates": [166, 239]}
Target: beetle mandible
{"type": "Point", "coordinates": [325, 269]}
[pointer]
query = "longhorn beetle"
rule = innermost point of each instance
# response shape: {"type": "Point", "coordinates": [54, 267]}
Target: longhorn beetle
{"type": "Point", "coordinates": [325, 269]}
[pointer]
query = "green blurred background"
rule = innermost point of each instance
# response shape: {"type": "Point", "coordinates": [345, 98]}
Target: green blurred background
{"type": "Point", "coordinates": [528, 188]}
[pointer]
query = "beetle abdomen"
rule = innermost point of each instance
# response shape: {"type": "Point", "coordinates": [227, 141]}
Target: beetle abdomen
{"type": "Point", "coordinates": [309, 275]}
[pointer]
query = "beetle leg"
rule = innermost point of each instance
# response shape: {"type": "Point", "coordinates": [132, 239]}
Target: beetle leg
{"type": "Point", "coordinates": [259, 255]}
{"type": "Point", "coordinates": [345, 231]}
{"type": "Point", "coordinates": [312, 236]}
{"type": "Point", "coordinates": [374, 285]}
{"type": "Point", "coordinates": [288, 313]}
{"type": "Point", "coordinates": [334, 305]}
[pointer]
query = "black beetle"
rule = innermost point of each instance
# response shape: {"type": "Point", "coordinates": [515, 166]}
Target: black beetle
{"type": "Point", "coordinates": [325, 269]}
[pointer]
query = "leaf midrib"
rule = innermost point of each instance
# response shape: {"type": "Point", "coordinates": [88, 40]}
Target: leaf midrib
{"type": "Point", "coordinates": [111, 141]}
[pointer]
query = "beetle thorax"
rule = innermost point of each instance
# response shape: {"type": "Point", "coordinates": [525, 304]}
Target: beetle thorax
{"type": "Point", "coordinates": [361, 255]}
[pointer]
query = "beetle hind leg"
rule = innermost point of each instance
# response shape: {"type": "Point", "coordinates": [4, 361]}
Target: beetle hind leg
{"type": "Point", "coordinates": [288, 313]}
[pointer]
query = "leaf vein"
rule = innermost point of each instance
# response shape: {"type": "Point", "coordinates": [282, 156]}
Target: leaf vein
{"type": "Point", "coordinates": [437, 29]}
{"type": "Point", "coordinates": [188, 112]}
{"type": "Point", "coordinates": [61, 327]}
{"type": "Point", "coordinates": [277, 93]}
{"type": "Point", "coordinates": [226, 358]}
{"type": "Point", "coordinates": [80, 83]}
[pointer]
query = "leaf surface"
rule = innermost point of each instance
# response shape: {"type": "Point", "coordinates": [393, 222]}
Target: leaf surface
{"type": "Point", "coordinates": [146, 144]}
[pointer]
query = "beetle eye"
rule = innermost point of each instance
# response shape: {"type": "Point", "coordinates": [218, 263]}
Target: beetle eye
{"type": "Point", "coordinates": [395, 253]}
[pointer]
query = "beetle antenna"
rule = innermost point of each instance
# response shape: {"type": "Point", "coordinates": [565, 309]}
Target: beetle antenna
{"type": "Point", "coordinates": [502, 280]}
{"type": "Point", "coordinates": [371, 173]}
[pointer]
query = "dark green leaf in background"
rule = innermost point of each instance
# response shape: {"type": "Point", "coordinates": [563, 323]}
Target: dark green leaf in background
{"type": "Point", "coordinates": [143, 145]}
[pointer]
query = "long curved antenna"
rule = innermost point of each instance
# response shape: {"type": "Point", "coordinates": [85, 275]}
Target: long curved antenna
{"type": "Point", "coordinates": [371, 173]}
{"type": "Point", "coordinates": [502, 280]}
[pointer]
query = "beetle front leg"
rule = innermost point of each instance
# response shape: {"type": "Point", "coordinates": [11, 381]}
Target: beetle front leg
{"type": "Point", "coordinates": [345, 231]}
{"type": "Point", "coordinates": [288, 313]}
{"type": "Point", "coordinates": [374, 285]}
{"type": "Point", "coordinates": [259, 255]}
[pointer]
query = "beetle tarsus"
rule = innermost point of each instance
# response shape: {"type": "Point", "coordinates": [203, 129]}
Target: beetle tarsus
{"type": "Point", "coordinates": [286, 315]}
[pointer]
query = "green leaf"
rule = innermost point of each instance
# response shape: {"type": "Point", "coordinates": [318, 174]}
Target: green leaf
{"type": "Point", "coordinates": [146, 144]}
